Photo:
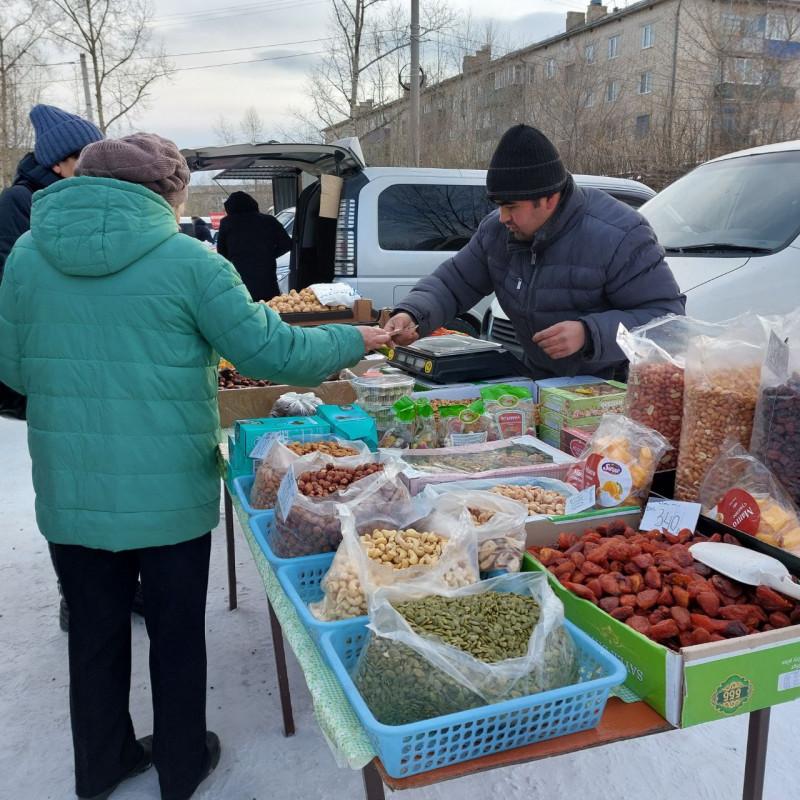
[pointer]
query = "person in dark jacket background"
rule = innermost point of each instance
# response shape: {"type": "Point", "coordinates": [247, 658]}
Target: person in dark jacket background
{"type": "Point", "coordinates": [59, 139]}
{"type": "Point", "coordinates": [252, 241]}
{"type": "Point", "coordinates": [568, 265]}
{"type": "Point", "coordinates": [202, 230]}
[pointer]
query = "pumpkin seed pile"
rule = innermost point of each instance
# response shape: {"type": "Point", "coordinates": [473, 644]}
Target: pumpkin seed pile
{"type": "Point", "coordinates": [492, 626]}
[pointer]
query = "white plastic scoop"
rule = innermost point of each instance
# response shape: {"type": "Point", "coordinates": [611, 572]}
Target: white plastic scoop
{"type": "Point", "coordinates": [746, 566]}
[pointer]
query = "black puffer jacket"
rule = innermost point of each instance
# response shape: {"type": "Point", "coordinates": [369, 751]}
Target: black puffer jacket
{"type": "Point", "coordinates": [15, 219]}
{"type": "Point", "coordinates": [15, 203]}
{"type": "Point", "coordinates": [252, 241]}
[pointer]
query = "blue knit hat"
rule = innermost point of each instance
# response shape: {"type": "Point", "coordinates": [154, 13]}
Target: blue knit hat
{"type": "Point", "coordinates": [60, 134]}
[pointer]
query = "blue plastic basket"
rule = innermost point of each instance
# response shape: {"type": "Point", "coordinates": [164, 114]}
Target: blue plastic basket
{"type": "Point", "coordinates": [302, 584]}
{"type": "Point", "coordinates": [243, 485]}
{"type": "Point", "coordinates": [421, 746]}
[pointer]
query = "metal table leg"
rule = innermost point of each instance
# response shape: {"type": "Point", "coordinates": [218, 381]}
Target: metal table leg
{"type": "Point", "coordinates": [283, 676]}
{"type": "Point", "coordinates": [373, 783]}
{"type": "Point", "coordinates": [756, 759]}
{"type": "Point", "coordinates": [232, 599]}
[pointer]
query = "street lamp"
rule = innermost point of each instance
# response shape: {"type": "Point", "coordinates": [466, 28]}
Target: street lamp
{"type": "Point", "coordinates": [413, 99]}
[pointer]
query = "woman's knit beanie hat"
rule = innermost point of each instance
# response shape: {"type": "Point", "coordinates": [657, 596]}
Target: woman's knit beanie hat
{"type": "Point", "coordinates": [525, 166]}
{"type": "Point", "coordinates": [143, 158]}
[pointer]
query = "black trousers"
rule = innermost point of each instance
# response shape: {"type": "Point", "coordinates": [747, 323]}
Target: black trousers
{"type": "Point", "coordinates": [99, 586]}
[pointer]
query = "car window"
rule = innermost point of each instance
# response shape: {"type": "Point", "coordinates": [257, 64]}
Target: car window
{"type": "Point", "coordinates": [750, 201]}
{"type": "Point", "coordinates": [430, 217]}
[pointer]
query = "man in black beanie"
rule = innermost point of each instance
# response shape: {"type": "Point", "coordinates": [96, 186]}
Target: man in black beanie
{"type": "Point", "coordinates": [568, 265]}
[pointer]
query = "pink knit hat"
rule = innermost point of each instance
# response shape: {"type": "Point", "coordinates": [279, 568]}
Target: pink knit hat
{"type": "Point", "coordinates": [143, 158]}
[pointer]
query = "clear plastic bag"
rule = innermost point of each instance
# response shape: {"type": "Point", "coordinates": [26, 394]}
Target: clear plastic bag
{"type": "Point", "coordinates": [296, 404]}
{"type": "Point", "coordinates": [463, 426]}
{"type": "Point", "coordinates": [498, 523]}
{"type": "Point", "coordinates": [305, 525]}
{"type": "Point", "coordinates": [510, 409]}
{"type": "Point", "coordinates": [406, 676]}
{"type": "Point", "coordinates": [282, 454]}
{"type": "Point", "coordinates": [720, 395]}
{"type": "Point", "coordinates": [620, 462]}
{"type": "Point", "coordinates": [378, 550]}
{"type": "Point", "coordinates": [742, 492]}
{"type": "Point", "coordinates": [776, 429]}
{"type": "Point", "coordinates": [657, 355]}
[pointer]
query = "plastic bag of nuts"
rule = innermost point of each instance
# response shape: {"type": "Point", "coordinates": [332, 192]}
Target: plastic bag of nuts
{"type": "Point", "coordinates": [720, 395]}
{"type": "Point", "coordinates": [306, 519]}
{"type": "Point", "coordinates": [405, 545]}
{"type": "Point", "coordinates": [282, 454]}
{"type": "Point", "coordinates": [776, 432]}
{"type": "Point", "coordinates": [498, 522]}
{"type": "Point", "coordinates": [434, 651]}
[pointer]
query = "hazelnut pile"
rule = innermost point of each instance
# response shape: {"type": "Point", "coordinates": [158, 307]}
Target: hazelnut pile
{"type": "Point", "coordinates": [328, 448]}
{"type": "Point", "coordinates": [329, 479]}
{"type": "Point", "coordinates": [538, 500]}
{"type": "Point", "coordinates": [296, 302]}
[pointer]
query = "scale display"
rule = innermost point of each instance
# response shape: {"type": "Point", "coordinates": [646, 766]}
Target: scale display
{"type": "Point", "coordinates": [448, 359]}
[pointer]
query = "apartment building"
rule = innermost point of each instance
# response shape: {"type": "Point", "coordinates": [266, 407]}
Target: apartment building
{"type": "Point", "coordinates": [659, 85]}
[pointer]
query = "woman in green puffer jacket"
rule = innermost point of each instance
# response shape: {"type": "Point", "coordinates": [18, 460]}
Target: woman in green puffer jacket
{"type": "Point", "coordinates": [112, 324]}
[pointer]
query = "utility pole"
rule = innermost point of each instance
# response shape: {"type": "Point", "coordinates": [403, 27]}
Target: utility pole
{"type": "Point", "coordinates": [413, 99]}
{"type": "Point", "coordinates": [87, 95]}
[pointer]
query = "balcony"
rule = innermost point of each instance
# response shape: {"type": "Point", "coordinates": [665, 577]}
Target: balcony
{"type": "Point", "coordinates": [750, 91]}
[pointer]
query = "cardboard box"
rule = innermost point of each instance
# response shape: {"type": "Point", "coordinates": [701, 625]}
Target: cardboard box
{"type": "Point", "coordinates": [258, 401]}
{"type": "Point", "coordinates": [552, 419]}
{"type": "Point", "coordinates": [560, 383]}
{"type": "Point", "coordinates": [248, 431]}
{"type": "Point", "coordinates": [471, 391]}
{"type": "Point", "coordinates": [698, 684]}
{"type": "Point", "coordinates": [350, 422]}
{"type": "Point", "coordinates": [575, 440]}
{"type": "Point", "coordinates": [550, 436]}
{"type": "Point", "coordinates": [359, 314]}
{"type": "Point", "coordinates": [574, 405]}
{"type": "Point", "coordinates": [416, 478]}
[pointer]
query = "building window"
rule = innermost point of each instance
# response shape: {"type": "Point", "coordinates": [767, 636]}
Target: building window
{"type": "Point", "coordinates": [777, 27]}
{"type": "Point", "coordinates": [426, 106]}
{"type": "Point", "coordinates": [588, 98]}
{"type": "Point", "coordinates": [612, 91]}
{"type": "Point", "coordinates": [731, 24]}
{"type": "Point", "coordinates": [589, 53]}
{"type": "Point", "coordinates": [550, 68]}
{"type": "Point", "coordinates": [646, 83]}
{"type": "Point", "coordinates": [772, 77]}
{"type": "Point", "coordinates": [642, 125]}
{"type": "Point", "coordinates": [746, 70]}
{"type": "Point", "coordinates": [569, 74]}
{"type": "Point", "coordinates": [531, 72]}
{"type": "Point", "coordinates": [613, 46]}
{"type": "Point", "coordinates": [648, 38]}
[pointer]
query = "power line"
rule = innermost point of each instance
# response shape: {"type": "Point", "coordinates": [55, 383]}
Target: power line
{"type": "Point", "coordinates": [213, 14]}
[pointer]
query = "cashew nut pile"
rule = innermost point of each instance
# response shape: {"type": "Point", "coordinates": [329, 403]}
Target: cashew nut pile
{"type": "Point", "coordinates": [538, 500]}
{"type": "Point", "coordinates": [344, 598]}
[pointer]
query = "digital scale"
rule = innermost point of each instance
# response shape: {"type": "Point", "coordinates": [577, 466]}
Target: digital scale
{"type": "Point", "coordinates": [454, 358]}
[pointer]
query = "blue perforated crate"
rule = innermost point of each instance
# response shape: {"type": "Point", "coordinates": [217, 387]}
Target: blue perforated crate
{"type": "Point", "coordinates": [301, 582]}
{"type": "Point", "coordinates": [243, 485]}
{"type": "Point", "coordinates": [421, 746]}
{"type": "Point", "coordinates": [262, 525]}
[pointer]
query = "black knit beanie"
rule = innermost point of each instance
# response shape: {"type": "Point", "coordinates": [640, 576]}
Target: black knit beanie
{"type": "Point", "coordinates": [525, 166]}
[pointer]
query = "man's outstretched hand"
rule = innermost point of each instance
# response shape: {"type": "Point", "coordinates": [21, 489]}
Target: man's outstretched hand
{"type": "Point", "coordinates": [402, 328]}
{"type": "Point", "coordinates": [562, 339]}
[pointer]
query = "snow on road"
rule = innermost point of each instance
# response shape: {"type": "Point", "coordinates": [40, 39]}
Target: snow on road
{"type": "Point", "coordinates": [258, 763]}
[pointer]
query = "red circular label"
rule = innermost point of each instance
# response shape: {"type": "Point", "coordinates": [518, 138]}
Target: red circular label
{"type": "Point", "coordinates": [740, 510]}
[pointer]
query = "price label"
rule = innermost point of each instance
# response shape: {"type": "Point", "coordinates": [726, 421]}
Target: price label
{"type": "Point", "coordinates": [777, 358]}
{"type": "Point", "coordinates": [263, 444]}
{"type": "Point", "coordinates": [286, 495]}
{"type": "Point", "coordinates": [580, 501]}
{"type": "Point", "coordinates": [671, 516]}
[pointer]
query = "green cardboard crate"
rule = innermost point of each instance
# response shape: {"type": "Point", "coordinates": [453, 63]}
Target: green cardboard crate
{"type": "Point", "coordinates": [552, 419]}
{"type": "Point", "coordinates": [573, 404]}
{"type": "Point", "coordinates": [701, 683]}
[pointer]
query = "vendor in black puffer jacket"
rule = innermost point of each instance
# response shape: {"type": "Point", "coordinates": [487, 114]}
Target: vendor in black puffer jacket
{"type": "Point", "coordinates": [252, 241]}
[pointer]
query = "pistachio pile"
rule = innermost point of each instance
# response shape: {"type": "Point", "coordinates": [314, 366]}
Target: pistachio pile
{"type": "Point", "coordinates": [538, 500]}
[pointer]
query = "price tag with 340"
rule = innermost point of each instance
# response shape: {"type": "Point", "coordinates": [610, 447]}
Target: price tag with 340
{"type": "Point", "coordinates": [671, 516]}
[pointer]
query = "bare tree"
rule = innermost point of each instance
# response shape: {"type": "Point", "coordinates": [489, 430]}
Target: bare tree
{"type": "Point", "coordinates": [252, 126]}
{"type": "Point", "coordinates": [116, 37]}
{"type": "Point", "coordinates": [224, 130]}
{"type": "Point", "coordinates": [21, 29]}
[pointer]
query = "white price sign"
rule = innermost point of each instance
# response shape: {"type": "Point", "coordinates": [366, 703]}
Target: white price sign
{"type": "Point", "coordinates": [671, 516]}
{"type": "Point", "coordinates": [580, 501]}
{"type": "Point", "coordinates": [286, 495]}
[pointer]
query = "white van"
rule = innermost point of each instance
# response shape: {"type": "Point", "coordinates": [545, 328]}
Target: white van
{"type": "Point", "coordinates": [395, 224]}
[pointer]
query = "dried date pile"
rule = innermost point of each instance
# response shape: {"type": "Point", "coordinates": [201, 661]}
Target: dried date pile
{"type": "Point", "coordinates": [329, 479]}
{"type": "Point", "coordinates": [229, 378]}
{"type": "Point", "coordinates": [650, 581]}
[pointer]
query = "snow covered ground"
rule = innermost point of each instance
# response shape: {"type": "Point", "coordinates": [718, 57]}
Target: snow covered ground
{"type": "Point", "coordinates": [258, 763]}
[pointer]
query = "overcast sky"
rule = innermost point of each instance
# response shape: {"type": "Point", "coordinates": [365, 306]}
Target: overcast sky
{"type": "Point", "coordinates": [186, 107]}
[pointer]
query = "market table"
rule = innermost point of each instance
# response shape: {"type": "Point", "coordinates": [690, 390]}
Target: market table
{"type": "Point", "coordinates": [620, 721]}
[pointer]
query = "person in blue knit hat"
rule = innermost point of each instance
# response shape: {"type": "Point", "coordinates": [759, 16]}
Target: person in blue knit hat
{"type": "Point", "coordinates": [60, 137]}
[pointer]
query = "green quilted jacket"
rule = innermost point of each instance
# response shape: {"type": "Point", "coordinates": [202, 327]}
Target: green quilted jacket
{"type": "Point", "coordinates": [112, 323]}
